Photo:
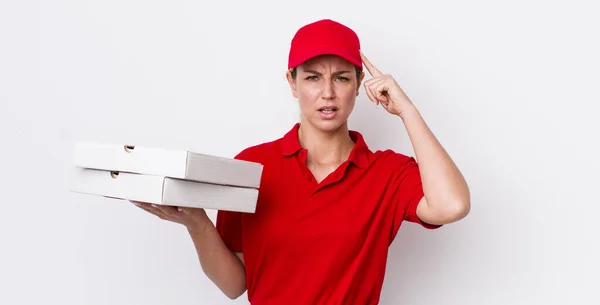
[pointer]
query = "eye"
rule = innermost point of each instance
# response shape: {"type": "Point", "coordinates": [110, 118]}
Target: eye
{"type": "Point", "coordinates": [343, 79]}
{"type": "Point", "coordinates": [312, 77]}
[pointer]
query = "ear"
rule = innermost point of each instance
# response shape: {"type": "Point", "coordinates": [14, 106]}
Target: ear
{"type": "Point", "coordinates": [362, 76]}
{"type": "Point", "coordinates": [292, 83]}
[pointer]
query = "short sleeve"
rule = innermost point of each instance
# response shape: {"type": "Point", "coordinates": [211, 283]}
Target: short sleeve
{"type": "Point", "coordinates": [408, 189]}
{"type": "Point", "coordinates": [229, 223]}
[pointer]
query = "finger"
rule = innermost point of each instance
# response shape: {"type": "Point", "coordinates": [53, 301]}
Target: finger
{"type": "Point", "coordinates": [370, 94]}
{"type": "Point", "coordinates": [141, 204]}
{"type": "Point", "coordinates": [372, 81]}
{"type": "Point", "coordinates": [375, 94]}
{"type": "Point", "coordinates": [385, 106]}
{"type": "Point", "coordinates": [370, 67]}
{"type": "Point", "coordinates": [381, 89]}
{"type": "Point", "coordinates": [167, 210]}
{"type": "Point", "coordinates": [147, 204]}
{"type": "Point", "coordinates": [376, 86]}
{"type": "Point", "coordinates": [156, 212]}
{"type": "Point", "coordinates": [186, 210]}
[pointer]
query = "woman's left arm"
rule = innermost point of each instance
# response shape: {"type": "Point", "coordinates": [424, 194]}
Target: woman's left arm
{"type": "Point", "coordinates": [447, 196]}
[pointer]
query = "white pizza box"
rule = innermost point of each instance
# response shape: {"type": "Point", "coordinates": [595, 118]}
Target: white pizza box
{"type": "Point", "coordinates": [181, 164]}
{"type": "Point", "coordinates": [162, 190]}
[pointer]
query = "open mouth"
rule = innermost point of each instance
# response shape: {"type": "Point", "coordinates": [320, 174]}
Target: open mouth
{"type": "Point", "coordinates": [328, 109]}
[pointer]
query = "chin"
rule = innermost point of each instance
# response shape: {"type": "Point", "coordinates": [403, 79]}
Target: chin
{"type": "Point", "coordinates": [327, 125]}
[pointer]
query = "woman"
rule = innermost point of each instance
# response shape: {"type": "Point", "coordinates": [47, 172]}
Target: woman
{"type": "Point", "coordinates": [328, 206]}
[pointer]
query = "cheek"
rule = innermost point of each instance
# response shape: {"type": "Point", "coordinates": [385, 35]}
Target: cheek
{"type": "Point", "coordinates": [307, 95]}
{"type": "Point", "coordinates": [347, 94]}
{"type": "Point", "coordinates": [348, 91]}
{"type": "Point", "coordinates": [309, 90]}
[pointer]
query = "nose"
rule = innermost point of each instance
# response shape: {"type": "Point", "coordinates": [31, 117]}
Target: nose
{"type": "Point", "coordinates": [328, 91]}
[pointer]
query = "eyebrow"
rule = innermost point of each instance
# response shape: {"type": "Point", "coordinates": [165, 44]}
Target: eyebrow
{"type": "Point", "coordinates": [318, 73]}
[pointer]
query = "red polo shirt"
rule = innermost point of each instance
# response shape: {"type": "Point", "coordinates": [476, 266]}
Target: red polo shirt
{"type": "Point", "coordinates": [322, 243]}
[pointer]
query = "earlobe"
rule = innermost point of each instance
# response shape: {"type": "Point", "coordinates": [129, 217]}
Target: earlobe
{"type": "Point", "coordinates": [292, 83]}
{"type": "Point", "coordinates": [362, 76]}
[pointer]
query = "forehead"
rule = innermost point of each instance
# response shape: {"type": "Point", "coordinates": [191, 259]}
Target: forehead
{"type": "Point", "coordinates": [326, 62]}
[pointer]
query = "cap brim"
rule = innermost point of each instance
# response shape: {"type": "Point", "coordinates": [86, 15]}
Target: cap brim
{"type": "Point", "coordinates": [326, 51]}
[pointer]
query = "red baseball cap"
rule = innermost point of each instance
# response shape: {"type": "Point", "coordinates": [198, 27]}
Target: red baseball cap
{"type": "Point", "coordinates": [324, 37]}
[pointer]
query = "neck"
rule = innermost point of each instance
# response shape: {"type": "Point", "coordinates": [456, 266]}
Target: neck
{"type": "Point", "coordinates": [325, 148]}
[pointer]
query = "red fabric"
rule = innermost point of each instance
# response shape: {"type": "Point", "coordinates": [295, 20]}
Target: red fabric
{"type": "Point", "coordinates": [324, 37]}
{"type": "Point", "coordinates": [324, 243]}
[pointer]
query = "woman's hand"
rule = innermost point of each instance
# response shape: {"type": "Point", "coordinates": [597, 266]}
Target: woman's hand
{"type": "Point", "coordinates": [194, 219]}
{"type": "Point", "coordinates": [383, 89]}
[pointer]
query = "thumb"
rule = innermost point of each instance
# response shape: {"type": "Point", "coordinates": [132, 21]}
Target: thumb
{"type": "Point", "coordinates": [382, 97]}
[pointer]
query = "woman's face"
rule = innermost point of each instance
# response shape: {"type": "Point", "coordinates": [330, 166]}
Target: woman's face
{"type": "Point", "coordinates": [326, 88]}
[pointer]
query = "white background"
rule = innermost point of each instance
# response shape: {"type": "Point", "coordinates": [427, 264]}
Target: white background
{"type": "Point", "coordinates": [510, 88]}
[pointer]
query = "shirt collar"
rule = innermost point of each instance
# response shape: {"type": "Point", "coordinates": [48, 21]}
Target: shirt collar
{"type": "Point", "coordinates": [290, 145]}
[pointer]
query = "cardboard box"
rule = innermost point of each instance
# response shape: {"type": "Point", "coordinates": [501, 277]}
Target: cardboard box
{"type": "Point", "coordinates": [180, 164]}
{"type": "Point", "coordinates": [163, 190]}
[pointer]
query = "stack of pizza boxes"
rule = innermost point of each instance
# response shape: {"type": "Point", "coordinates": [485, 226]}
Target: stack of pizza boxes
{"type": "Point", "coordinates": [179, 178]}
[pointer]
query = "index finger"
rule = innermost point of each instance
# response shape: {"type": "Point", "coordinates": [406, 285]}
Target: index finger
{"type": "Point", "coordinates": [370, 67]}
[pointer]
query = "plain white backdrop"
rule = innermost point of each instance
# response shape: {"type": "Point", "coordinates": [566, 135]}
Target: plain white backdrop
{"type": "Point", "coordinates": [510, 89]}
